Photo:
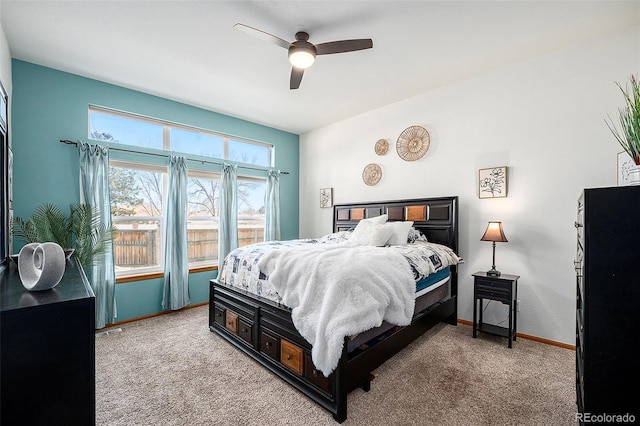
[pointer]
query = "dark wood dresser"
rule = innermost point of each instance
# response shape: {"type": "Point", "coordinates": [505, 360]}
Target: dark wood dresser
{"type": "Point", "coordinates": [608, 303]}
{"type": "Point", "coordinates": [47, 347]}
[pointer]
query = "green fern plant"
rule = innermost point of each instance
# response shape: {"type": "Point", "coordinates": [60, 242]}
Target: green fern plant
{"type": "Point", "coordinates": [629, 134]}
{"type": "Point", "coordinates": [82, 229]}
{"type": "Point", "coordinates": [48, 223]}
{"type": "Point", "coordinates": [92, 238]}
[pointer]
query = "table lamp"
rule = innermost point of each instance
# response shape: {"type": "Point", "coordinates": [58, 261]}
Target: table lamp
{"type": "Point", "coordinates": [494, 233]}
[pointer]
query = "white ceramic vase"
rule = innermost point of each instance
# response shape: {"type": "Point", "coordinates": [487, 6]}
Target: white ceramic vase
{"type": "Point", "coordinates": [41, 266]}
{"type": "Point", "coordinates": [633, 177]}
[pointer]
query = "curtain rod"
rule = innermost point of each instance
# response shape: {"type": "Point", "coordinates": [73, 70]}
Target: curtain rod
{"type": "Point", "coordinates": [69, 142]}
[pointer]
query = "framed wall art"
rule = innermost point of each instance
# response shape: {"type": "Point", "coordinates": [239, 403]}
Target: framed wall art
{"type": "Point", "coordinates": [326, 197]}
{"type": "Point", "coordinates": [492, 182]}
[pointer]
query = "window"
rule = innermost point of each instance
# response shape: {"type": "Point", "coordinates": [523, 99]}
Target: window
{"type": "Point", "coordinates": [197, 143]}
{"type": "Point", "coordinates": [138, 191]}
{"type": "Point", "coordinates": [251, 154]}
{"type": "Point", "coordinates": [117, 128]}
{"type": "Point", "coordinates": [202, 226]}
{"type": "Point", "coordinates": [128, 129]}
{"type": "Point", "coordinates": [137, 195]}
{"type": "Point", "coordinates": [136, 212]}
{"type": "Point", "coordinates": [251, 209]}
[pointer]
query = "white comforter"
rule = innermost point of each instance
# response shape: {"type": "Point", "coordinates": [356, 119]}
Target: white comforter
{"type": "Point", "coordinates": [344, 295]}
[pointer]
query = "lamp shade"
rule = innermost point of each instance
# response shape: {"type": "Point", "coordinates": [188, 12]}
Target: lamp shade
{"type": "Point", "coordinates": [494, 233]}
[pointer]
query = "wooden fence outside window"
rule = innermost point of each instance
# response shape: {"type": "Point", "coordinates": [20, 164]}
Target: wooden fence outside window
{"type": "Point", "coordinates": [135, 248]}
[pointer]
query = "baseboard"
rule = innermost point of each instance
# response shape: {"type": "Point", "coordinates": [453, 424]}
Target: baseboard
{"type": "Point", "coordinates": [157, 314]}
{"type": "Point", "coordinates": [530, 337]}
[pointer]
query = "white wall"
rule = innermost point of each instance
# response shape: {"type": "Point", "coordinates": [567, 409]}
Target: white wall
{"type": "Point", "coordinates": [542, 118]}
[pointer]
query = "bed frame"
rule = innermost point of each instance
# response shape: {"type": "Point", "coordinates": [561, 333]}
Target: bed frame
{"type": "Point", "coordinates": [264, 330]}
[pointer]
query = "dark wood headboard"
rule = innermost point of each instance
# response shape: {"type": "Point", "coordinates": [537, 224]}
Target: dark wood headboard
{"type": "Point", "coordinates": [437, 218]}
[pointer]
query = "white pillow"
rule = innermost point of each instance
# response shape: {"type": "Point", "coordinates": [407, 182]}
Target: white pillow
{"type": "Point", "coordinates": [399, 232]}
{"type": "Point", "coordinates": [371, 232]}
{"type": "Point", "coordinates": [376, 219]}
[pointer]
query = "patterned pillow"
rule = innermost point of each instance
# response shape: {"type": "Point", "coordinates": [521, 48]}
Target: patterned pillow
{"type": "Point", "coordinates": [415, 235]}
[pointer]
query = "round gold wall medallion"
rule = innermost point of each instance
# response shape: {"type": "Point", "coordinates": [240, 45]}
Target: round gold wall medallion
{"type": "Point", "coordinates": [372, 174]}
{"type": "Point", "coordinates": [413, 143]}
{"type": "Point", "coordinates": [382, 146]}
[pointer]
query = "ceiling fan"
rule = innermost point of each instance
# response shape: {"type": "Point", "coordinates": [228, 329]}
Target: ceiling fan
{"type": "Point", "coordinates": [302, 53]}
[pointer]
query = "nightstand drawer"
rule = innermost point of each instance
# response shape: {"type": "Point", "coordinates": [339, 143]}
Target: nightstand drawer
{"type": "Point", "coordinates": [493, 293]}
{"type": "Point", "coordinates": [493, 289]}
{"type": "Point", "coordinates": [493, 284]}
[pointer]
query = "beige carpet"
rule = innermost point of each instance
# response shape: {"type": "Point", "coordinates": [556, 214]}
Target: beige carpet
{"type": "Point", "coordinates": [171, 370]}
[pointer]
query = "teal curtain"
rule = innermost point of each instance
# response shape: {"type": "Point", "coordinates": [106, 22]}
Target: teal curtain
{"type": "Point", "coordinates": [94, 191]}
{"type": "Point", "coordinates": [228, 228]}
{"type": "Point", "coordinates": [176, 262]}
{"type": "Point", "coordinates": [272, 206]}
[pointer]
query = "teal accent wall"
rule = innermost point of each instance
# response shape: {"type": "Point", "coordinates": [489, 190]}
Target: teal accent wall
{"type": "Point", "coordinates": [49, 105]}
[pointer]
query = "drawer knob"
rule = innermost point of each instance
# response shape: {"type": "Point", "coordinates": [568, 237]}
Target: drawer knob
{"type": "Point", "coordinates": [315, 373]}
{"type": "Point", "coordinates": [244, 330]}
{"type": "Point", "coordinates": [267, 344]}
{"type": "Point", "coordinates": [288, 357]}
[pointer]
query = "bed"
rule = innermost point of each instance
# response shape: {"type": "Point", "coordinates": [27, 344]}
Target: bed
{"type": "Point", "coordinates": [255, 315]}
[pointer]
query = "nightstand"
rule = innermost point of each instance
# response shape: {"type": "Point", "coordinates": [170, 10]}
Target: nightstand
{"type": "Point", "coordinates": [502, 289]}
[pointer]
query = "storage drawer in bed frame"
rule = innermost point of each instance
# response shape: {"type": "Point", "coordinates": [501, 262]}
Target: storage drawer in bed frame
{"type": "Point", "coordinates": [265, 334]}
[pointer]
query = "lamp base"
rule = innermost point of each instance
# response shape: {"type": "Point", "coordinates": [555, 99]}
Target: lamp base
{"type": "Point", "coordinates": [493, 273]}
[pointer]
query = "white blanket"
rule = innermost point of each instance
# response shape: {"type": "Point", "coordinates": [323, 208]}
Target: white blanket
{"type": "Point", "coordinates": [340, 290]}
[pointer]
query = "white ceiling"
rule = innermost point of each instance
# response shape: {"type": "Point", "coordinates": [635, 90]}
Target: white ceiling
{"type": "Point", "coordinates": [188, 51]}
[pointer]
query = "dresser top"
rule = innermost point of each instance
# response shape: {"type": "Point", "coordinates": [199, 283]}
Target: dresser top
{"type": "Point", "coordinates": [13, 295]}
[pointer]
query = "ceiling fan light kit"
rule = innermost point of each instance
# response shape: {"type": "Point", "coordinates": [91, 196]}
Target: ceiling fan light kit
{"type": "Point", "coordinates": [302, 53]}
{"type": "Point", "coordinates": [301, 58]}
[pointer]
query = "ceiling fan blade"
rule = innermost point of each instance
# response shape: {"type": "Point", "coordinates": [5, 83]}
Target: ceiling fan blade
{"type": "Point", "coordinates": [342, 46]}
{"type": "Point", "coordinates": [296, 77]}
{"type": "Point", "coordinates": [262, 35]}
